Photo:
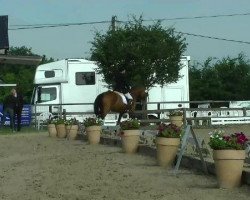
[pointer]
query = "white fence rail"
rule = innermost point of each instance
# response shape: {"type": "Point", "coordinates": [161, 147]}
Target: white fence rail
{"type": "Point", "coordinates": [229, 120]}
{"type": "Point", "coordinates": [196, 116]}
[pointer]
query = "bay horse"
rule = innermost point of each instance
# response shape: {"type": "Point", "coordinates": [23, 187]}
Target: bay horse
{"type": "Point", "coordinates": [112, 101]}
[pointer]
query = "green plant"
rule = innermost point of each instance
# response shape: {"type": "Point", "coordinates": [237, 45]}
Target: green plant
{"type": "Point", "coordinates": [130, 124]}
{"type": "Point", "coordinates": [51, 121]}
{"type": "Point", "coordinates": [71, 121]}
{"type": "Point", "coordinates": [92, 121]}
{"type": "Point", "coordinates": [219, 140]}
{"type": "Point", "coordinates": [169, 131]}
{"type": "Point", "coordinates": [175, 113]}
{"type": "Point", "coordinates": [60, 121]}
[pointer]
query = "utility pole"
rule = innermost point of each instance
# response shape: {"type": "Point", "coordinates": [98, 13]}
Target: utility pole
{"type": "Point", "coordinates": [113, 21]}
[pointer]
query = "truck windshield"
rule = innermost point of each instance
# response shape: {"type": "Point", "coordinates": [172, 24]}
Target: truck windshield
{"type": "Point", "coordinates": [46, 94]}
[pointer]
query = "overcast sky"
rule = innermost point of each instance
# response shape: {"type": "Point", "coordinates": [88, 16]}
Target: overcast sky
{"type": "Point", "coordinates": [74, 41]}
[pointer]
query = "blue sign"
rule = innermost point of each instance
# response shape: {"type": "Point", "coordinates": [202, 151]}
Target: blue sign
{"type": "Point", "coordinates": [25, 117]}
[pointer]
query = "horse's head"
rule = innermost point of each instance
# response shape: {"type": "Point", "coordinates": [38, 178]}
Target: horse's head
{"type": "Point", "coordinates": [139, 93]}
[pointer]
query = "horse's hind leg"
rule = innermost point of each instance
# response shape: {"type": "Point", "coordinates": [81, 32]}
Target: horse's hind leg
{"type": "Point", "coordinates": [105, 111]}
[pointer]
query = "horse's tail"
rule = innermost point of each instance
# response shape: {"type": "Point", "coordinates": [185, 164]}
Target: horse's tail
{"type": "Point", "coordinates": [98, 105]}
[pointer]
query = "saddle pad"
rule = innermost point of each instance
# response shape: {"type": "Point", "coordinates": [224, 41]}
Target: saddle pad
{"type": "Point", "coordinates": [124, 100]}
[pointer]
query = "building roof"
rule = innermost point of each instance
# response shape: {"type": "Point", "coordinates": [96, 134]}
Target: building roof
{"type": "Point", "coordinates": [20, 60]}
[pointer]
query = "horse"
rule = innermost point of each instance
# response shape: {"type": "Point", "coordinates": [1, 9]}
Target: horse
{"type": "Point", "coordinates": [112, 101]}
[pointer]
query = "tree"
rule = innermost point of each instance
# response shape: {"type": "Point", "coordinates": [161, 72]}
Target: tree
{"type": "Point", "coordinates": [225, 79]}
{"type": "Point", "coordinates": [195, 83]}
{"type": "Point", "coordinates": [150, 54]}
{"type": "Point", "coordinates": [234, 73]}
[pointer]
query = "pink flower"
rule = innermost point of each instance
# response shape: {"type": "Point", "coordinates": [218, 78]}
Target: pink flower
{"type": "Point", "coordinates": [226, 138]}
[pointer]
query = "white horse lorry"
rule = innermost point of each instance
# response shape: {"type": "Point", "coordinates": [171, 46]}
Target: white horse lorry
{"type": "Point", "coordinates": [71, 85]}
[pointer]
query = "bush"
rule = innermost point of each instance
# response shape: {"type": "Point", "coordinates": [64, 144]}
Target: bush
{"type": "Point", "coordinates": [175, 113]}
{"type": "Point", "coordinates": [130, 124]}
{"type": "Point", "coordinates": [71, 121]}
{"type": "Point", "coordinates": [169, 131]}
{"type": "Point", "coordinates": [92, 121]}
{"type": "Point", "coordinates": [219, 140]}
{"type": "Point", "coordinates": [51, 121]}
{"type": "Point", "coordinates": [60, 121]}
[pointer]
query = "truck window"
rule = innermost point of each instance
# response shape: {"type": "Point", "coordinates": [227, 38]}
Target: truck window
{"type": "Point", "coordinates": [85, 78]}
{"type": "Point", "coordinates": [46, 94]}
{"type": "Point", "coordinates": [49, 74]}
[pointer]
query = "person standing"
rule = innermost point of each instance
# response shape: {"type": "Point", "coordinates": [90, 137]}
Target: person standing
{"type": "Point", "coordinates": [9, 105]}
{"type": "Point", "coordinates": [19, 107]}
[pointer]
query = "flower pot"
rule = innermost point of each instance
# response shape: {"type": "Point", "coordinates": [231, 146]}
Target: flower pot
{"type": "Point", "coordinates": [93, 134]}
{"type": "Point", "coordinates": [61, 130]}
{"type": "Point", "coordinates": [130, 140]}
{"type": "Point", "coordinates": [72, 131]}
{"type": "Point", "coordinates": [228, 167]}
{"type": "Point", "coordinates": [52, 130]}
{"type": "Point", "coordinates": [166, 150]}
{"type": "Point", "coordinates": [177, 120]}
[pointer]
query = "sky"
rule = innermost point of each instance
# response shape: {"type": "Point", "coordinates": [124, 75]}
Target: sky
{"type": "Point", "coordinates": [75, 41]}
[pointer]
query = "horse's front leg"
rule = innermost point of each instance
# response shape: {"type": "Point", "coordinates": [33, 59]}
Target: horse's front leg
{"type": "Point", "coordinates": [119, 118]}
{"type": "Point", "coordinates": [131, 110]}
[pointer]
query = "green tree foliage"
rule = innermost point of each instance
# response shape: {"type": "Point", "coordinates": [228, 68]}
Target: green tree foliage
{"type": "Point", "coordinates": [19, 74]}
{"type": "Point", "coordinates": [149, 54]}
{"type": "Point", "coordinates": [225, 79]}
{"type": "Point", "coordinates": [20, 51]}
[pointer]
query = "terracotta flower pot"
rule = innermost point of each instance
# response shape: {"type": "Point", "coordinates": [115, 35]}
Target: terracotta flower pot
{"type": "Point", "coordinates": [166, 150]}
{"type": "Point", "coordinates": [72, 131]}
{"type": "Point", "coordinates": [52, 130]}
{"type": "Point", "coordinates": [93, 134]}
{"type": "Point", "coordinates": [228, 167]}
{"type": "Point", "coordinates": [130, 140]}
{"type": "Point", "coordinates": [177, 120]}
{"type": "Point", "coordinates": [61, 130]}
